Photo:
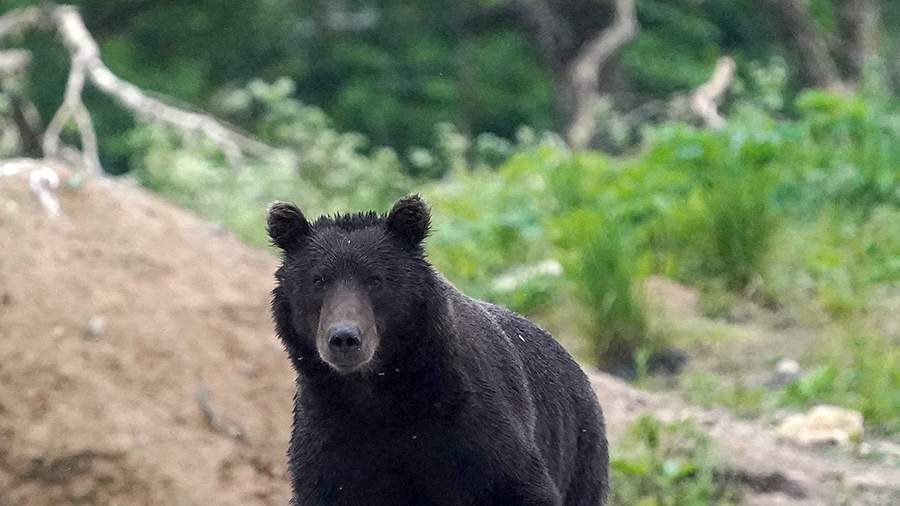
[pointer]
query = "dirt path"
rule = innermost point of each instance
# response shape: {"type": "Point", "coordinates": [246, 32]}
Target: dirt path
{"type": "Point", "coordinates": [138, 366]}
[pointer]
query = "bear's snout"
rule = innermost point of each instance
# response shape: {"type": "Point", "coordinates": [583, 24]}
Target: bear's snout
{"type": "Point", "coordinates": [347, 336]}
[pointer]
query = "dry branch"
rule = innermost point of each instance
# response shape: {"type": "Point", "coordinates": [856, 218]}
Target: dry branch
{"type": "Point", "coordinates": [705, 99]}
{"type": "Point", "coordinates": [86, 65]}
{"type": "Point", "coordinates": [19, 20]}
{"type": "Point", "coordinates": [584, 72]}
{"type": "Point", "coordinates": [83, 47]}
{"type": "Point", "coordinates": [42, 179]}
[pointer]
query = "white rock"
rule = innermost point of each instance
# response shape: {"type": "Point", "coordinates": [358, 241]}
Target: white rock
{"type": "Point", "coordinates": [823, 424]}
{"type": "Point", "coordinates": [787, 367]}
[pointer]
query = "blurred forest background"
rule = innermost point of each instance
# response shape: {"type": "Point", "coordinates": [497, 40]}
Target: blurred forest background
{"type": "Point", "coordinates": [573, 173]}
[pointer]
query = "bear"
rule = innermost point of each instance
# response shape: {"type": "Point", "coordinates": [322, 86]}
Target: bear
{"type": "Point", "coordinates": [411, 393]}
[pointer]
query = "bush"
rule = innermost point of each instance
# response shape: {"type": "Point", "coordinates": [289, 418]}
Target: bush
{"type": "Point", "coordinates": [488, 233]}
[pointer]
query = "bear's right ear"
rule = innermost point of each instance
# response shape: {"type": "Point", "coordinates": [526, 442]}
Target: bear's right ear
{"type": "Point", "coordinates": [287, 226]}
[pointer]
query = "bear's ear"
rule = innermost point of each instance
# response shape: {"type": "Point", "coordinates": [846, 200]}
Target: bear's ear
{"type": "Point", "coordinates": [409, 220]}
{"type": "Point", "coordinates": [287, 226]}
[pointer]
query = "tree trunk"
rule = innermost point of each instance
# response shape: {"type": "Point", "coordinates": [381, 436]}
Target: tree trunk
{"type": "Point", "coordinates": [798, 31]}
{"type": "Point", "coordinates": [858, 22]}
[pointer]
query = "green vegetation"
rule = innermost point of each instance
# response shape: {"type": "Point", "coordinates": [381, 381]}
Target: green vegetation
{"type": "Point", "coordinates": [666, 464]}
{"type": "Point", "coordinates": [531, 223]}
{"type": "Point", "coordinates": [863, 374]}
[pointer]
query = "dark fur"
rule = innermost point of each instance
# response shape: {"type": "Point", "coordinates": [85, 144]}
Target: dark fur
{"type": "Point", "coordinates": [463, 403]}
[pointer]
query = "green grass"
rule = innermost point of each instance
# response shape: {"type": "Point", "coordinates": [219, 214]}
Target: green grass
{"type": "Point", "coordinates": [707, 389]}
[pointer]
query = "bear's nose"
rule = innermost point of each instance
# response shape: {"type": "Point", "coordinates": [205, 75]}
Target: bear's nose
{"type": "Point", "coordinates": [343, 338]}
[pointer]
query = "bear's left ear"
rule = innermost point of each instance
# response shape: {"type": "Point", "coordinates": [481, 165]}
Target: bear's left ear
{"type": "Point", "coordinates": [409, 220]}
{"type": "Point", "coordinates": [287, 226]}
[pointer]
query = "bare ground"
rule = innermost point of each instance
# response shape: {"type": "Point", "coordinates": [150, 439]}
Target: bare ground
{"type": "Point", "coordinates": [138, 366]}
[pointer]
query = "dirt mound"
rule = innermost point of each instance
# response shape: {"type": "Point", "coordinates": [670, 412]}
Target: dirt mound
{"type": "Point", "coordinates": [137, 360]}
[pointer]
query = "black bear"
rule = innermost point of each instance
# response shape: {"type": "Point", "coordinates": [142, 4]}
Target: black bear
{"type": "Point", "coordinates": [408, 391]}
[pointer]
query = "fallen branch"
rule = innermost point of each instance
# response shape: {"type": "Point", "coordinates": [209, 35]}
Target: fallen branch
{"type": "Point", "coordinates": [705, 99]}
{"type": "Point", "coordinates": [73, 108]}
{"type": "Point", "coordinates": [86, 65]}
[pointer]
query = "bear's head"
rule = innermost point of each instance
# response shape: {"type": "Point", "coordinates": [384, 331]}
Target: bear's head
{"type": "Point", "coordinates": [351, 287]}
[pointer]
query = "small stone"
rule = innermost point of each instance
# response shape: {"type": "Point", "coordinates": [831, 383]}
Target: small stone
{"type": "Point", "coordinates": [787, 367]}
{"type": "Point", "coordinates": [786, 371]}
{"type": "Point", "coordinates": [58, 331]}
{"type": "Point", "coordinates": [96, 326]}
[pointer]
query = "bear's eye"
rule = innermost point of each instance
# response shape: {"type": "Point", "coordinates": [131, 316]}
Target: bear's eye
{"type": "Point", "coordinates": [319, 281]}
{"type": "Point", "coordinates": [374, 281]}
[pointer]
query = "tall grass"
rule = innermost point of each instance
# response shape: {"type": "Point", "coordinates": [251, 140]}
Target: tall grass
{"type": "Point", "coordinates": [739, 223]}
{"type": "Point", "coordinates": [604, 275]}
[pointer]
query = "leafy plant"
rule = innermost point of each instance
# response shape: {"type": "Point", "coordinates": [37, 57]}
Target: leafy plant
{"type": "Point", "coordinates": [666, 464]}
